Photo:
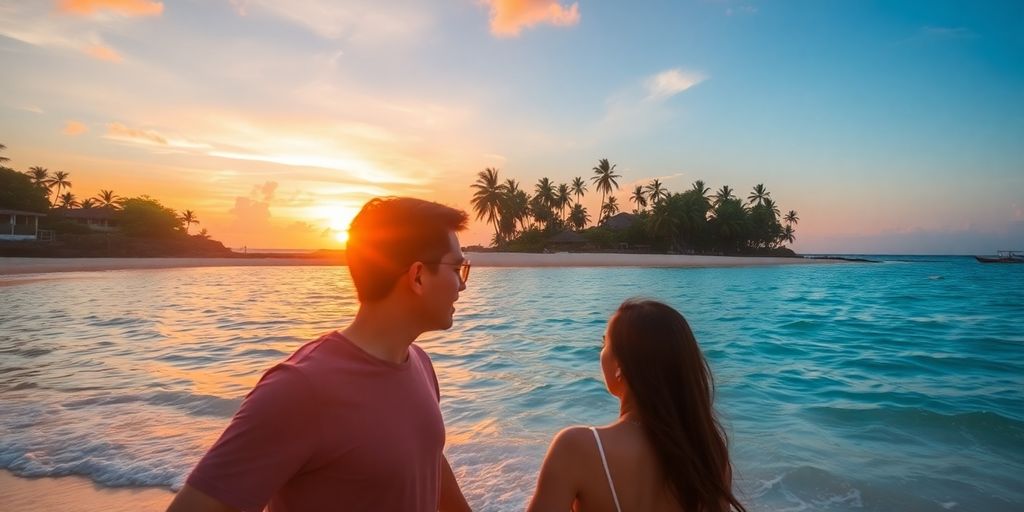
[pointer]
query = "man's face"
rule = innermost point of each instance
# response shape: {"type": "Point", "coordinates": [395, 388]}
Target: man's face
{"type": "Point", "coordinates": [441, 288]}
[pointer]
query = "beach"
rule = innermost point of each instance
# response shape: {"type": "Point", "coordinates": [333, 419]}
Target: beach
{"type": "Point", "coordinates": [11, 266]}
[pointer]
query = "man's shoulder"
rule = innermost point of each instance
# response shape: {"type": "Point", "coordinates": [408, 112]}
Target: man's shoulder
{"type": "Point", "coordinates": [418, 352]}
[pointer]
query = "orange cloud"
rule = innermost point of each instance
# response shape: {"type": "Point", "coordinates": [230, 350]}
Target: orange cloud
{"type": "Point", "coordinates": [100, 52]}
{"type": "Point", "coordinates": [118, 131]}
{"type": "Point", "coordinates": [74, 128]}
{"type": "Point", "coordinates": [122, 7]}
{"type": "Point", "coordinates": [509, 17]}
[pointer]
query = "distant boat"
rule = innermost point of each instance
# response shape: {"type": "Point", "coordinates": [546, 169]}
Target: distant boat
{"type": "Point", "coordinates": [1003, 257]}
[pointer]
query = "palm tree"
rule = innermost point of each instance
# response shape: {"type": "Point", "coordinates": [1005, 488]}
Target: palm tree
{"type": "Point", "coordinates": [563, 196]}
{"type": "Point", "coordinates": [3, 158]}
{"type": "Point", "coordinates": [59, 180]}
{"type": "Point", "coordinates": [640, 198]}
{"type": "Point", "coordinates": [610, 208]}
{"type": "Point", "coordinates": [189, 218]}
{"type": "Point", "coordinates": [604, 178]}
{"type": "Point", "coordinates": [68, 200]}
{"type": "Point", "coordinates": [702, 194]}
{"type": "Point", "coordinates": [759, 194]}
{"type": "Point", "coordinates": [791, 217]}
{"type": "Point", "coordinates": [578, 217]}
{"type": "Point", "coordinates": [108, 199]}
{"type": "Point", "coordinates": [487, 197]}
{"type": "Point", "coordinates": [578, 187]}
{"type": "Point", "coordinates": [699, 187]}
{"type": "Point", "coordinates": [723, 194]}
{"type": "Point", "coordinates": [771, 207]}
{"type": "Point", "coordinates": [788, 234]}
{"type": "Point", "coordinates": [88, 203]}
{"type": "Point", "coordinates": [40, 176]}
{"type": "Point", "coordinates": [656, 192]}
{"type": "Point", "coordinates": [545, 192]}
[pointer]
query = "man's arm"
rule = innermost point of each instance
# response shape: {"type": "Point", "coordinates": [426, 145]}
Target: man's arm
{"type": "Point", "coordinates": [190, 499]}
{"type": "Point", "coordinates": [452, 499]}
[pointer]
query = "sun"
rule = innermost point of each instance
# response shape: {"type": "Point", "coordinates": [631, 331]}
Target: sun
{"type": "Point", "coordinates": [337, 217]}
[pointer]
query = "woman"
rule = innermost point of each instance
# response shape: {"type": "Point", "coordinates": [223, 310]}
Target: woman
{"type": "Point", "coordinates": [667, 451]}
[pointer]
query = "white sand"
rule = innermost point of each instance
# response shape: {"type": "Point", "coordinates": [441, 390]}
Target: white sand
{"type": "Point", "coordinates": [9, 266]}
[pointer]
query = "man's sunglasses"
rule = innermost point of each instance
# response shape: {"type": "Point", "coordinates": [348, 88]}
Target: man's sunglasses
{"type": "Point", "coordinates": [463, 268]}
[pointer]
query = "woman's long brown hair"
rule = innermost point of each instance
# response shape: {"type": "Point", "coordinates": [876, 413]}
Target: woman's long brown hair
{"type": "Point", "coordinates": [672, 387]}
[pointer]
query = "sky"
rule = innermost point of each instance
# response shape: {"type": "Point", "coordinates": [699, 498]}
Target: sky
{"type": "Point", "coordinates": [890, 127]}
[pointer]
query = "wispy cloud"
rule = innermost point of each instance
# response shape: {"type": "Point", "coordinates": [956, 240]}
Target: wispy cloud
{"type": "Point", "coordinates": [101, 52]}
{"type": "Point", "coordinates": [30, 108]}
{"type": "Point", "coordinates": [74, 128]}
{"type": "Point", "coordinates": [121, 7]}
{"type": "Point", "coordinates": [510, 17]}
{"type": "Point", "coordinates": [671, 82]}
{"type": "Point", "coordinates": [370, 22]}
{"type": "Point", "coordinates": [741, 10]}
{"type": "Point", "coordinates": [932, 32]}
{"type": "Point", "coordinates": [120, 132]}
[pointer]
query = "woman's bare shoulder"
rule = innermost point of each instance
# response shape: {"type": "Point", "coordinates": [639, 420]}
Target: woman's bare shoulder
{"type": "Point", "coordinates": [572, 442]}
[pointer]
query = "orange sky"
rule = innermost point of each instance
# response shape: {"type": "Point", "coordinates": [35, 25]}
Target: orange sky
{"type": "Point", "coordinates": [275, 121]}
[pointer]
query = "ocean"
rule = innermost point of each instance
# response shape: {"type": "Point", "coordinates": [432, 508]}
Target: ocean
{"type": "Point", "coordinates": [891, 386]}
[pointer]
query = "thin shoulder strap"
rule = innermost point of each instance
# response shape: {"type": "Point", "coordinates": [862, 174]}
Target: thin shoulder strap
{"type": "Point", "coordinates": [607, 473]}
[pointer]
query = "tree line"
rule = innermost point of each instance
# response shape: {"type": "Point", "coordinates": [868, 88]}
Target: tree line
{"type": "Point", "coordinates": [694, 220]}
{"type": "Point", "coordinates": [39, 190]}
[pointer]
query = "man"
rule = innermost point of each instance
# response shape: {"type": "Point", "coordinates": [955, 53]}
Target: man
{"type": "Point", "coordinates": [351, 420]}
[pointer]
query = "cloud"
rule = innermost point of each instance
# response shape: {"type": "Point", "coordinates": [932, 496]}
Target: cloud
{"type": "Point", "coordinates": [741, 10]}
{"type": "Point", "coordinates": [386, 22]}
{"type": "Point", "coordinates": [671, 82]}
{"type": "Point", "coordinates": [946, 33]}
{"type": "Point", "coordinates": [101, 52]}
{"type": "Point", "coordinates": [249, 214]}
{"type": "Point", "coordinates": [265, 191]}
{"type": "Point", "coordinates": [74, 128]}
{"type": "Point", "coordinates": [118, 131]}
{"type": "Point", "coordinates": [509, 17]}
{"type": "Point", "coordinates": [122, 7]}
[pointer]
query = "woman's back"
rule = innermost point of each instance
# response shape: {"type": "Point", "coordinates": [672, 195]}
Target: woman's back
{"type": "Point", "coordinates": [667, 452]}
{"type": "Point", "coordinates": [639, 484]}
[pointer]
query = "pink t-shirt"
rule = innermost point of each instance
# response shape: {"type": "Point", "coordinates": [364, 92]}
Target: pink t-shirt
{"type": "Point", "coordinates": [332, 428]}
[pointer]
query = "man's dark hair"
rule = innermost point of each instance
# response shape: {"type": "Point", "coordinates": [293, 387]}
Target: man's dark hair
{"type": "Point", "coordinates": [391, 233]}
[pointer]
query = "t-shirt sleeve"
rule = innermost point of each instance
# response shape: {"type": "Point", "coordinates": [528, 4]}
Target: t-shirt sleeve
{"type": "Point", "coordinates": [273, 434]}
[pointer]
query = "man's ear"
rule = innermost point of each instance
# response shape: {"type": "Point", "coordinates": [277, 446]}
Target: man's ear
{"type": "Point", "coordinates": [415, 277]}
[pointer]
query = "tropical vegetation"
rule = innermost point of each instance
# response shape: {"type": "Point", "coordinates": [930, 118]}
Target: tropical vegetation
{"type": "Point", "coordinates": [691, 221]}
{"type": "Point", "coordinates": [42, 191]}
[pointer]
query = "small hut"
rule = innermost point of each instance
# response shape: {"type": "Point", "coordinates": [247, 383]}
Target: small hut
{"type": "Point", "coordinates": [620, 221]}
{"type": "Point", "coordinates": [566, 241]}
{"type": "Point", "coordinates": [19, 225]}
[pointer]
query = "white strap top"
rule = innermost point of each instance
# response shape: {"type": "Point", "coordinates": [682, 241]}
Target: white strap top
{"type": "Point", "coordinates": [611, 485]}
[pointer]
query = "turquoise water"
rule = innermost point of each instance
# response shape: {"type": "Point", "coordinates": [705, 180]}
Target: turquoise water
{"type": "Point", "coordinates": [890, 386]}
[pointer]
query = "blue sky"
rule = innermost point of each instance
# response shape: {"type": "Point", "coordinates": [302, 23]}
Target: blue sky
{"type": "Point", "coordinates": [889, 126]}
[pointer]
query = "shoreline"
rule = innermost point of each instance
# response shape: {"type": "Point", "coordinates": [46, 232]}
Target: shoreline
{"type": "Point", "coordinates": [76, 494]}
{"type": "Point", "coordinates": [20, 266]}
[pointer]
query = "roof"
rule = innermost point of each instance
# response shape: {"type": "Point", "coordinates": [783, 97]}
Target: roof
{"type": "Point", "coordinates": [620, 221]}
{"type": "Point", "coordinates": [86, 213]}
{"type": "Point", "coordinates": [22, 212]}
{"type": "Point", "coordinates": [567, 237]}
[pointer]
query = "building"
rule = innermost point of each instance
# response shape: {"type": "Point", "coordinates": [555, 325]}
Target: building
{"type": "Point", "coordinates": [19, 225]}
{"type": "Point", "coordinates": [97, 219]}
{"type": "Point", "coordinates": [620, 221]}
